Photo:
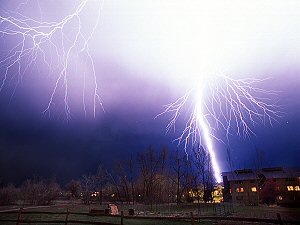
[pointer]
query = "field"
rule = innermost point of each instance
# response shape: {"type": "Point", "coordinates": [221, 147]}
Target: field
{"type": "Point", "coordinates": [158, 215]}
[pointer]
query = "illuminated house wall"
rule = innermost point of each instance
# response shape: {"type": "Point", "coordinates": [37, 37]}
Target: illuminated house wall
{"type": "Point", "coordinates": [243, 186]}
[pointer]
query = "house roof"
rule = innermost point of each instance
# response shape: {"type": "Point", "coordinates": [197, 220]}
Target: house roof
{"type": "Point", "coordinates": [274, 172]}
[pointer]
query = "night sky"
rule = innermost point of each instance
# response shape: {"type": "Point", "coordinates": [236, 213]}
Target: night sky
{"type": "Point", "coordinates": [146, 54]}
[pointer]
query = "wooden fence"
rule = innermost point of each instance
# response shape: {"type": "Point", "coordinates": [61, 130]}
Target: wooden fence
{"type": "Point", "coordinates": [67, 221]}
{"type": "Point", "coordinates": [191, 218]}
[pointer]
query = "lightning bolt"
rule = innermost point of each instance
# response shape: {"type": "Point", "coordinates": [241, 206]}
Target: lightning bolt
{"type": "Point", "coordinates": [219, 102]}
{"type": "Point", "coordinates": [51, 43]}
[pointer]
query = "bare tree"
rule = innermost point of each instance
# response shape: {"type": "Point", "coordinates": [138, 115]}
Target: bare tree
{"type": "Point", "coordinates": [180, 167]}
{"type": "Point", "coordinates": [131, 177]}
{"type": "Point", "coordinates": [123, 181]}
{"type": "Point", "coordinates": [113, 182]}
{"type": "Point", "coordinates": [52, 191]}
{"type": "Point", "coordinates": [259, 158]}
{"type": "Point", "coordinates": [126, 172]}
{"type": "Point", "coordinates": [87, 182]}
{"type": "Point", "coordinates": [32, 190]}
{"type": "Point", "coordinates": [151, 168]}
{"type": "Point", "coordinates": [9, 195]}
{"type": "Point", "coordinates": [100, 180]}
{"type": "Point", "coordinates": [202, 163]}
{"type": "Point", "coordinates": [74, 187]}
{"type": "Point", "coordinates": [229, 158]}
{"type": "Point", "coordinates": [38, 191]}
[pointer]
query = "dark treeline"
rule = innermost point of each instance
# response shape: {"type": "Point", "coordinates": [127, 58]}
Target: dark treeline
{"type": "Point", "coordinates": [150, 177]}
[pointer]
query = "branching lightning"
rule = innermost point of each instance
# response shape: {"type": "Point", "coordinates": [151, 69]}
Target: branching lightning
{"type": "Point", "coordinates": [57, 44]}
{"type": "Point", "coordinates": [219, 102]}
{"type": "Point", "coordinates": [222, 103]}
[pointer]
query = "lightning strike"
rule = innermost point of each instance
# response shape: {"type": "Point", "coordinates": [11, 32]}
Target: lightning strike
{"type": "Point", "coordinates": [220, 103]}
{"type": "Point", "coordinates": [60, 45]}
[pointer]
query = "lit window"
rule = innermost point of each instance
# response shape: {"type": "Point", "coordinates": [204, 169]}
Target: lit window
{"type": "Point", "coordinates": [253, 189]}
{"type": "Point", "coordinates": [240, 189]}
{"type": "Point", "coordinates": [290, 188]}
{"type": "Point", "coordinates": [297, 188]}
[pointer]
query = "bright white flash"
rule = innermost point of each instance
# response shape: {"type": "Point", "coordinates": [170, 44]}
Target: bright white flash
{"type": "Point", "coordinates": [183, 40]}
{"type": "Point", "coordinates": [206, 133]}
{"type": "Point", "coordinates": [220, 103]}
{"type": "Point", "coordinates": [61, 45]}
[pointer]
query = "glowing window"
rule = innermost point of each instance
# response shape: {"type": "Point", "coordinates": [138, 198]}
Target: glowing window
{"type": "Point", "coordinates": [297, 188]}
{"type": "Point", "coordinates": [290, 188]}
{"type": "Point", "coordinates": [253, 189]}
{"type": "Point", "coordinates": [240, 189]}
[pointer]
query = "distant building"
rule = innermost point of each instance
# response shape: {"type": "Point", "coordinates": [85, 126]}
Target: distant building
{"type": "Point", "coordinates": [216, 195]}
{"type": "Point", "coordinates": [246, 186]}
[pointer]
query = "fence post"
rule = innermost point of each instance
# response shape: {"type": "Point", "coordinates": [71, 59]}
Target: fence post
{"type": "Point", "coordinates": [19, 216]}
{"type": "Point", "coordinates": [215, 208]}
{"type": "Point", "coordinates": [192, 218]}
{"type": "Point", "coordinates": [122, 218]}
{"type": "Point", "coordinates": [67, 216]}
{"type": "Point", "coordinates": [279, 219]}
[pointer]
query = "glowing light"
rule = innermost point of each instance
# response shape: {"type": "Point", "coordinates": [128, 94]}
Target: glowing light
{"type": "Point", "coordinates": [204, 129]}
{"type": "Point", "coordinates": [253, 189]}
{"type": "Point", "coordinates": [188, 40]}
{"type": "Point", "coordinates": [240, 190]}
{"type": "Point", "coordinates": [290, 188]}
{"type": "Point", "coordinates": [60, 46]}
{"type": "Point", "coordinates": [222, 103]}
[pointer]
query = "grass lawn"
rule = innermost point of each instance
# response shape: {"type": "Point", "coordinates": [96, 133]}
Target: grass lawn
{"type": "Point", "coordinates": [113, 220]}
{"type": "Point", "coordinates": [157, 210]}
{"type": "Point", "coordinates": [268, 212]}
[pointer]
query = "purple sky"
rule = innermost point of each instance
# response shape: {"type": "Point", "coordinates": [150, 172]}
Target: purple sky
{"type": "Point", "coordinates": [147, 54]}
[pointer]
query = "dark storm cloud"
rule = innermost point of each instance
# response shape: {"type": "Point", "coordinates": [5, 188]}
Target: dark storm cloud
{"type": "Point", "coordinates": [32, 143]}
{"type": "Point", "coordinates": [145, 58]}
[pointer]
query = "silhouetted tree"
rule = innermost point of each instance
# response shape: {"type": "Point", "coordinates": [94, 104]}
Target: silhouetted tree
{"type": "Point", "coordinates": [38, 191]}
{"type": "Point", "coordinates": [9, 195]}
{"type": "Point", "coordinates": [268, 192]}
{"type": "Point", "coordinates": [202, 163]}
{"type": "Point", "coordinates": [87, 182]}
{"type": "Point", "coordinates": [151, 168]}
{"type": "Point", "coordinates": [52, 191]}
{"type": "Point", "coordinates": [181, 169]}
{"type": "Point", "coordinates": [74, 187]}
{"type": "Point", "coordinates": [123, 181]}
{"type": "Point", "coordinates": [100, 180]}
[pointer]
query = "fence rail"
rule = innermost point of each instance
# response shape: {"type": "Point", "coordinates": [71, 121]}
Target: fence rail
{"type": "Point", "coordinates": [56, 221]}
{"type": "Point", "coordinates": [192, 218]}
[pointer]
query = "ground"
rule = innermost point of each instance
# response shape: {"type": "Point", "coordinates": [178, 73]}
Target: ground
{"type": "Point", "coordinates": [171, 210]}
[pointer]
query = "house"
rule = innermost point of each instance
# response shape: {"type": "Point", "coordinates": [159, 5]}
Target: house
{"type": "Point", "coordinates": [249, 186]}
